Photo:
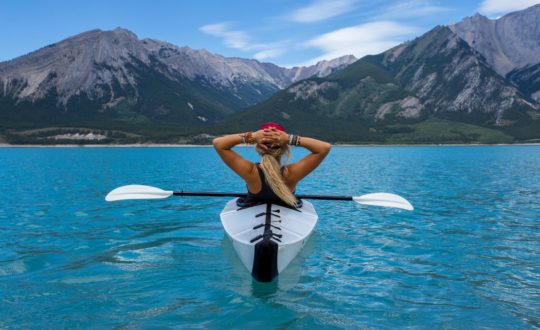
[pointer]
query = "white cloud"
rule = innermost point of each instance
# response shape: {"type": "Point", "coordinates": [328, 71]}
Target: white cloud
{"type": "Point", "coordinates": [320, 10]}
{"type": "Point", "coordinates": [360, 40]}
{"type": "Point", "coordinates": [231, 38]}
{"type": "Point", "coordinates": [490, 7]}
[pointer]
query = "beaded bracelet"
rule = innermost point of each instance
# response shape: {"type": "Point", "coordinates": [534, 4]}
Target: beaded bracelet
{"type": "Point", "coordinates": [249, 137]}
{"type": "Point", "coordinates": [294, 140]}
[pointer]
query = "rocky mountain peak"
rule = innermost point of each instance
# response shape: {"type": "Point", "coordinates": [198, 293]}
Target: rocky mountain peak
{"type": "Point", "coordinates": [477, 17]}
{"type": "Point", "coordinates": [507, 43]}
{"type": "Point", "coordinates": [445, 73]}
{"type": "Point", "coordinates": [75, 65]}
{"type": "Point", "coordinates": [321, 69]}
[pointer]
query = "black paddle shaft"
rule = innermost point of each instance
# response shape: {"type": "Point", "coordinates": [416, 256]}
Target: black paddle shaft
{"type": "Point", "coordinates": [222, 194]}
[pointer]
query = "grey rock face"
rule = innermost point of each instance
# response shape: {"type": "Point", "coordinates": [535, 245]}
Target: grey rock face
{"type": "Point", "coordinates": [409, 107]}
{"type": "Point", "coordinates": [510, 42]}
{"type": "Point", "coordinates": [321, 69]}
{"type": "Point", "coordinates": [528, 80]}
{"type": "Point", "coordinates": [309, 89]}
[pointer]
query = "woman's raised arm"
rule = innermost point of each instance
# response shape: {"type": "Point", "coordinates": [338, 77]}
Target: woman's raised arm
{"type": "Point", "coordinates": [319, 149]}
{"type": "Point", "coordinates": [237, 163]}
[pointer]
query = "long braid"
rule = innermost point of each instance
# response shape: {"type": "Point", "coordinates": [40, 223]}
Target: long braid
{"type": "Point", "coordinates": [271, 167]}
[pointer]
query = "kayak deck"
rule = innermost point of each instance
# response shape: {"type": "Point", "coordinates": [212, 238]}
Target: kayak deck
{"type": "Point", "coordinates": [268, 236]}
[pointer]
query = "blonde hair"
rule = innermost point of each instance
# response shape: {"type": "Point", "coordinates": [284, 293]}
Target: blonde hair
{"type": "Point", "coordinates": [271, 167]}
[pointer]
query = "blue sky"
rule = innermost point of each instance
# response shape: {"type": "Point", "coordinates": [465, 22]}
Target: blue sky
{"type": "Point", "coordinates": [283, 32]}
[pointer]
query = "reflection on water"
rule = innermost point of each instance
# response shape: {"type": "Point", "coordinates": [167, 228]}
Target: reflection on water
{"type": "Point", "coordinates": [243, 283]}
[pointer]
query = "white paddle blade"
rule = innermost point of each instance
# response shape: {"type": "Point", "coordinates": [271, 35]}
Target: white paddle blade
{"type": "Point", "coordinates": [384, 199]}
{"type": "Point", "coordinates": [136, 191]}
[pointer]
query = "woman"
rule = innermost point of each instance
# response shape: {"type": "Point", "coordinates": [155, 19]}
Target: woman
{"type": "Point", "coordinates": [269, 180]}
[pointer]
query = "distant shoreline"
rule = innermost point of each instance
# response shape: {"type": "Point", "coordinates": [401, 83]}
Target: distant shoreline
{"type": "Point", "coordinates": [5, 145]}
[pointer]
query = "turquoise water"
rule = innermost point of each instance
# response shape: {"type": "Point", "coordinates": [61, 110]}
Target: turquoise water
{"type": "Point", "coordinates": [467, 257]}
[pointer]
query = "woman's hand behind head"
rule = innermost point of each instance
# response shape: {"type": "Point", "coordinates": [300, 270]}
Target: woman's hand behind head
{"type": "Point", "coordinates": [282, 138]}
{"type": "Point", "coordinates": [259, 138]}
{"type": "Point", "coordinates": [270, 137]}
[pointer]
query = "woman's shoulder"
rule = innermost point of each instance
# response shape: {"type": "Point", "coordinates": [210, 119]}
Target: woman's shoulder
{"type": "Point", "coordinates": [286, 171]}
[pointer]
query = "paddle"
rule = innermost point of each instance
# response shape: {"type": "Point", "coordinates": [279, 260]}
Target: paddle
{"type": "Point", "coordinates": [136, 191]}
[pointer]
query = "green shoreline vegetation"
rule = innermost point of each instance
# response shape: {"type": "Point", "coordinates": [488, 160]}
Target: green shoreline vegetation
{"type": "Point", "coordinates": [427, 132]}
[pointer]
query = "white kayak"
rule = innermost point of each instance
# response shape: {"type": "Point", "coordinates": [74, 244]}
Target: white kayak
{"type": "Point", "coordinates": [267, 237]}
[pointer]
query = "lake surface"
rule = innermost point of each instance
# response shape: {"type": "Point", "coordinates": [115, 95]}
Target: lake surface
{"type": "Point", "coordinates": [467, 257]}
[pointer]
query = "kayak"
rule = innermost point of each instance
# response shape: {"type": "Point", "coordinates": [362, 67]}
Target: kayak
{"type": "Point", "coordinates": [268, 236]}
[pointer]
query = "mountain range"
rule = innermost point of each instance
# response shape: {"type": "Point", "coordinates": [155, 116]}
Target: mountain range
{"type": "Point", "coordinates": [449, 85]}
{"type": "Point", "coordinates": [474, 81]}
{"type": "Point", "coordinates": [112, 76]}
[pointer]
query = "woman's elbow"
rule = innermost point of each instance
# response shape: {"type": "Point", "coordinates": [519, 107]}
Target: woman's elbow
{"type": "Point", "coordinates": [326, 148]}
{"type": "Point", "coordinates": [216, 142]}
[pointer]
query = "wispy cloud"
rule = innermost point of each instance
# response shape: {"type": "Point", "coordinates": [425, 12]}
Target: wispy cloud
{"type": "Point", "coordinates": [320, 10]}
{"type": "Point", "coordinates": [231, 38]}
{"type": "Point", "coordinates": [361, 40]}
{"type": "Point", "coordinates": [268, 53]}
{"type": "Point", "coordinates": [411, 9]}
{"type": "Point", "coordinates": [387, 28]}
{"type": "Point", "coordinates": [492, 7]}
{"type": "Point", "coordinates": [241, 40]}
